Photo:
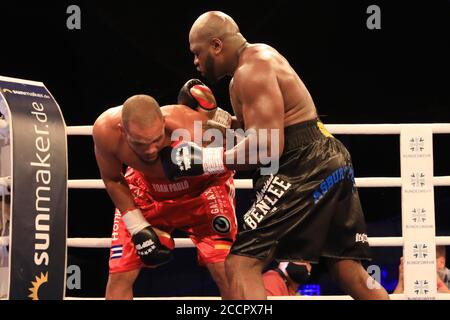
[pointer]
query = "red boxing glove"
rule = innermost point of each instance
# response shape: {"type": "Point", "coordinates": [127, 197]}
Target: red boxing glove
{"type": "Point", "coordinates": [195, 94]}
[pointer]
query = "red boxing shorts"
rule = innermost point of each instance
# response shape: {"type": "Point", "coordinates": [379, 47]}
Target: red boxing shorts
{"type": "Point", "coordinates": [203, 207]}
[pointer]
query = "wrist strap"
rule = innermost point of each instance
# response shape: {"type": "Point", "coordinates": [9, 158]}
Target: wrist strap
{"type": "Point", "coordinates": [134, 220]}
{"type": "Point", "coordinates": [222, 117]}
{"type": "Point", "coordinates": [213, 160]}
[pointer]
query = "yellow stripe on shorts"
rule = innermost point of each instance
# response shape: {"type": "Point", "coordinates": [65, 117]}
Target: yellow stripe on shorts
{"type": "Point", "coordinates": [222, 246]}
{"type": "Point", "coordinates": [324, 131]}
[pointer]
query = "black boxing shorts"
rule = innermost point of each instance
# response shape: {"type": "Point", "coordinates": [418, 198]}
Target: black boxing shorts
{"type": "Point", "coordinates": [310, 208]}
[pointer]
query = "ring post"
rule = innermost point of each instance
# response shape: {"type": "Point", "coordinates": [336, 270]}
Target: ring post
{"type": "Point", "coordinates": [38, 229]}
{"type": "Point", "coordinates": [419, 246]}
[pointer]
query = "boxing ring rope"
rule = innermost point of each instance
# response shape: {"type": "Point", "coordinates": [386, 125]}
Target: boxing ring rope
{"type": "Point", "coordinates": [247, 183]}
{"type": "Point", "coordinates": [372, 182]}
{"type": "Point", "coordinates": [363, 129]}
{"type": "Point", "coordinates": [181, 243]}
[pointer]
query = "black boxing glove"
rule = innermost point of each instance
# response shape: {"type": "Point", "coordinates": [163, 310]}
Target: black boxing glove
{"type": "Point", "coordinates": [146, 242]}
{"type": "Point", "coordinates": [149, 248]}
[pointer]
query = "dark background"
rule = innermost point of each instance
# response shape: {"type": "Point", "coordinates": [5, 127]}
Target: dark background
{"type": "Point", "coordinates": [399, 74]}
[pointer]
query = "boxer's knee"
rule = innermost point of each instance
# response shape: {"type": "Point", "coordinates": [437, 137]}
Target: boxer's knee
{"type": "Point", "coordinates": [236, 265]}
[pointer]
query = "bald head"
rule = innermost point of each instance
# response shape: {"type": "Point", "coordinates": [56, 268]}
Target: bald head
{"type": "Point", "coordinates": [216, 42]}
{"type": "Point", "coordinates": [140, 110]}
{"type": "Point", "coordinates": [213, 24]}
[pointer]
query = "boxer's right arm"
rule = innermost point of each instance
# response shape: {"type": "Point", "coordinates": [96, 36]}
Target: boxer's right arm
{"type": "Point", "coordinates": [145, 239]}
{"type": "Point", "coordinates": [116, 185]}
{"type": "Point", "coordinates": [111, 173]}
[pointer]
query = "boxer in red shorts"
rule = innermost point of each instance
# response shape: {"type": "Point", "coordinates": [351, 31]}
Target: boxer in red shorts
{"type": "Point", "coordinates": [148, 205]}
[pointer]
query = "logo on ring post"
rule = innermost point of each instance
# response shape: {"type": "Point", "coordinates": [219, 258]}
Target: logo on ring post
{"type": "Point", "coordinates": [417, 144]}
{"type": "Point", "coordinates": [34, 290]}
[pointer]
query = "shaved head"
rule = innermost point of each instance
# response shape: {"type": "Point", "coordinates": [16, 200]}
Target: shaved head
{"type": "Point", "coordinates": [143, 126]}
{"type": "Point", "coordinates": [213, 24]}
{"type": "Point", "coordinates": [140, 110]}
{"type": "Point", "coordinates": [215, 41]}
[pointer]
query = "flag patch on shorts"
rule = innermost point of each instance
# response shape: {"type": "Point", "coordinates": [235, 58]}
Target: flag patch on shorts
{"type": "Point", "coordinates": [116, 252]}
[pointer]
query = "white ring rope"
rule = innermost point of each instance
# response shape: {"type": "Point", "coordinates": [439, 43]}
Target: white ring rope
{"type": "Point", "coordinates": [181, 243]}
{"type": "Point", "coordinates": [187, 243]}
{"type": "Point", "coordinates": [248, 184]}
{"type": "Point", "coordinates": [333, 128]}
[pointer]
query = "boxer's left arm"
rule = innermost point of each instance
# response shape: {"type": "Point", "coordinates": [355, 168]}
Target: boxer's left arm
{"type": "Point", "coordinates": [257, 87]}
{"type": "Point", "coordinates": [263, 112]}
{"type": "Point", "coordinates": [235, 123]}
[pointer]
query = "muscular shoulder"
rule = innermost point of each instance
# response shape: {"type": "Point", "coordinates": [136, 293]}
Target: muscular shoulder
{"type": "Point", "coordinates": [180, 116]}
{"type": "Point", "coordinates": [174, 110]}
{"type": "Point", "coordinates": [259, 58]}
{"type": "Point", "coordinates": [177, 110]}
{"type": "Point", "coordinates": [105, 130]}
{"type": "Point", "coordinates": [257, 69]}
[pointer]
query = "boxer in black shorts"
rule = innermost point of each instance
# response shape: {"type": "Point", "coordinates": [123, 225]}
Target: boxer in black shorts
{"type": "Point", "coordinates": [307, 209]}
{"type": "Point", "coordinates": [310, 208]}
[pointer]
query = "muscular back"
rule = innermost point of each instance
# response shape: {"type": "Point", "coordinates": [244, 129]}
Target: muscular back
{"type": "Point", "coordinates": [112, 147]}
{"type": "Point", "coordinates": [262, 61]}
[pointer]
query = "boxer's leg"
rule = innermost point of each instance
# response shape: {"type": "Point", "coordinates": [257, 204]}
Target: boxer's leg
{"type": "Point", "coordinates": [245, 276]}
{"type": "Point", "coordinates": [120, 285]}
